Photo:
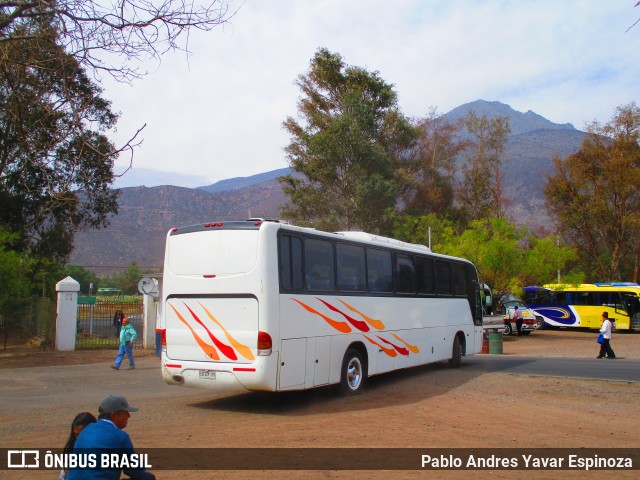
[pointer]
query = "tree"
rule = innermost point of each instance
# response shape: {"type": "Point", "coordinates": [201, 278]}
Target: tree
{"type": "Point", "coordinates": [16, 270]}
{"type": "Point", "coordinates": [88, 280]}
{"type": "Point", "coordinates": [431, 166]}
{"type": "Point", "coordinates": [128, 280]}
{"type": "Point", "coordinates": [594, 197]}
{"type": "Point", "coordinates": [507, 257]}
{"type": "Point", "coordinates": [100, 34]}
{"type": "Point", "coordinates": [423, 229]}
{"type": "Point", "coordinates": [481, 193]}
{"type": "Point", "coordinates": [346, 151]}
{"type": "Point", "coordinates": [56, 164]}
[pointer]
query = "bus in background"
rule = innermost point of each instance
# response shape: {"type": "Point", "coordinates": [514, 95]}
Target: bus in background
{"type": "Point", "coordinates": [581, 306]}
{"type": "Point", "coordinates": [268, 306]}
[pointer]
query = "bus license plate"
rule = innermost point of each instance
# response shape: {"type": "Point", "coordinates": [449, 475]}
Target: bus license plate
{"type": "Point", "coordinates": [208, 374]}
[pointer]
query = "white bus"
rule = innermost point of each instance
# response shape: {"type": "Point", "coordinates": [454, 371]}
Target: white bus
{"type": "Point", "coordinates": [264, 305]}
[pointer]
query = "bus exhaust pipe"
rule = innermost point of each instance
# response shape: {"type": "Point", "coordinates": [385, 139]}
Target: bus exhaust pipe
{"type": "Point", "coordinates": [178, 379]}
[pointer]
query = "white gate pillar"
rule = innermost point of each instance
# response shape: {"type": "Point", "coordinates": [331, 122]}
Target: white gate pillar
{"type": "Point", "coordinates": [67, 314]}
{"type": "Point", "coordinates": [150, 308]}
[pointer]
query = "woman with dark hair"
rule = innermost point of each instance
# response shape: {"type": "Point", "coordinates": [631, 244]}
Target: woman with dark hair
{"type": "Point", "coordinates": [82, 420]}
{"type": "Point", "coordinates": [117, 321]}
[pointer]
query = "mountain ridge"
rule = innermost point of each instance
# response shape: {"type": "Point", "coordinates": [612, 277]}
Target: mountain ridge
{"type": "Point", "coordinates": [138, 232]}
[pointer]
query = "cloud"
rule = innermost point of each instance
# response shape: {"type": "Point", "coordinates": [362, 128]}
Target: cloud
{"type": "Point", "coordinates": [218, 114]}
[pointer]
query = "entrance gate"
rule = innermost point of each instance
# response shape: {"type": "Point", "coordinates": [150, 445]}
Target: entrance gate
{"type": "Point", "coordinates": [95, 322]}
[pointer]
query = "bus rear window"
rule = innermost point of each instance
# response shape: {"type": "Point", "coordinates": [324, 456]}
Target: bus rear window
{"type": "Point", "coordinates": [210, 252]}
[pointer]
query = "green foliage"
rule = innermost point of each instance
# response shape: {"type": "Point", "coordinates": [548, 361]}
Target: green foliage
{"type": "Point", "coordinates": [128, 280]}
{"type": "Point", "coordinates": [594, 197]}
{"type": "Point", "coordinates": [55, 161]}
{"type": "Point", "coordinates": [88, 280]}
{"type": "Point", "coordinates": [428, 172]}
{"type": "Point", "coordinates": [16, 270]}
{"type": "Point", "coordinates": [507, 257]}
{"type": "Point", "coordinates": [346, 151]}
{"type": "Point", "coordinates": [420, 229]}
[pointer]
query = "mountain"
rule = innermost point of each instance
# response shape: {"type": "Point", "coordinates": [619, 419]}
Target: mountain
{"type": "Point", "coordinates": [519, 122]}
{"type": "Point", "coordinates": [145, 216]}
{"type": "Point", "coordinates": [138, 232]}
{"type": "Point", "coordinates": [239, 183]}
{"type": "Point", "coordinates": [135, 177]}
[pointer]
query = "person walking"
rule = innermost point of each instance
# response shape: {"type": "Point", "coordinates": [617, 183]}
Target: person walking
{"type": "Point", "coordinates": [517, 316]}
{"type": "Point", "coordinates": [127, 337]}
{"type": "Point", "coordinates": [117, 322]}
{"type": "Point", "coordinates": [605, 330]}
{"type": "Point", "coordinates": [106, 436]}
{"type": "Point", "coordinates": [79, 422]}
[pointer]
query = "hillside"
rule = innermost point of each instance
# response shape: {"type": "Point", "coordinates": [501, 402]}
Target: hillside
{"type": "Point", "coordinates": [138, 232]}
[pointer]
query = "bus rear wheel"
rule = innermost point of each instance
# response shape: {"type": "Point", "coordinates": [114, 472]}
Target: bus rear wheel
{"type": "Point", "coordinates": [353, 372]}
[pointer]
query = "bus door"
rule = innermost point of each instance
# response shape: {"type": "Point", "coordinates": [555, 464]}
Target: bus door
{"type": "Point", "coordinates": [631, 305]}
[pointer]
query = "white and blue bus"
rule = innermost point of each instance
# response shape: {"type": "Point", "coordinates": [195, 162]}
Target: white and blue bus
{"type": "Point", "coordinates": [264, 305]}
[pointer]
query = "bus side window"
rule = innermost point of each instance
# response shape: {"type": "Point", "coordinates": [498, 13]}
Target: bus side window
{"type": "Point", "coordinates": [443, 277]}
{"type": "Point", "coordinates": [351, 267]}
{"type": "Point", "coordinates": [290, 261]}
{"type": "Point", "coordinates": [459, 279]}
{"type": "Point", "coordinates": [319, 264]}
{"type": "Point", "coordinates": [424, 274]}
{"type": "Point", "coordinates": [296, 263]}
{"type": "Point", "coordinates": [405, 274]}
{"type": "Point", "coordinates": [585, 298]}
{"type": "Point", "coordinates": [379, 270]}
{"type": "Point", "coordinates": [285, 261]}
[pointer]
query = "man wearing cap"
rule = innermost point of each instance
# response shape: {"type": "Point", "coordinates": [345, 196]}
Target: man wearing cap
{"type": "Point", "coordinates": [106, 436]}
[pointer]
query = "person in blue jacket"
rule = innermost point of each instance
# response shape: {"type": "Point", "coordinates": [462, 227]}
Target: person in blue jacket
{"type": "Point", "coordinates": [106, 436]}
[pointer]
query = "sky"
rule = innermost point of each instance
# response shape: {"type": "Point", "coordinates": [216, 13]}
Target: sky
{"type": "Point", "coordinates": [217, 113]}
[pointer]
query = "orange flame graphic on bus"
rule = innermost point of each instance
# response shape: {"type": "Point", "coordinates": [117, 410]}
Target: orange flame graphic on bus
{"type": "Point", "coordinates": [213, 351]}
{"type": "Point", "coordinates": [365, 325]}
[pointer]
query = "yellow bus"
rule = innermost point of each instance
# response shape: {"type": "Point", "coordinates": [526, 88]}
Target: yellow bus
{"type": "Point", "coordinates": [581, 306]}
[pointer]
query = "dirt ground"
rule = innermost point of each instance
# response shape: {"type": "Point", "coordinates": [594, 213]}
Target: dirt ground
{"type": "Point", "coordinates": [427, 407]}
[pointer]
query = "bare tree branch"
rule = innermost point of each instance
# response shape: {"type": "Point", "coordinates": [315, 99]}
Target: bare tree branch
{"type": "Point", "coordinates": [96, 33]}
{"type": "Point", "coordinates": [634, 23]}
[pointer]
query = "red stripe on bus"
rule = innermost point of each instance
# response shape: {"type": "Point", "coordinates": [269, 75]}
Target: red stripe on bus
{"type": "Point", "coordinates": [244, 369]}
{"type": "Point", "coordinates": [173, 365]}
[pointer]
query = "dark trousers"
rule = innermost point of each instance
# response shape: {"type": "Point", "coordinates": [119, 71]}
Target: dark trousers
{"type": "Point", "coordinates": [519, 325]}
{"type": "Point", "coordinates": [606, 350]}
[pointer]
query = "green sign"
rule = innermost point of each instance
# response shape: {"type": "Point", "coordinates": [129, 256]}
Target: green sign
{"type": "Point", "coordinates": [86, 300]}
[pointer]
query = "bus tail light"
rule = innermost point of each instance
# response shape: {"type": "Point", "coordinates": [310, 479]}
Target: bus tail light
{"type": "Point", "coordinates": [264, 344]}
{"type": "Point", "coordinates": [163, 337]}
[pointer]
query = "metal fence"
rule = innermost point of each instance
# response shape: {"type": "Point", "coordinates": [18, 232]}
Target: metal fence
{"type": "Point", "coordinates": [35, 321]}
{"type": "Point", "coordinates": [95, 324]}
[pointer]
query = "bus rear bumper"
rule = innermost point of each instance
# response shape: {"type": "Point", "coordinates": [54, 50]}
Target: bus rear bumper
{"type": "Point", "coordinates": [259, 375]}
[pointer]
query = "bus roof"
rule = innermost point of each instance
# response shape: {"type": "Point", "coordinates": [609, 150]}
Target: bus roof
{"type": "Point", "coordinates": [369, 237]}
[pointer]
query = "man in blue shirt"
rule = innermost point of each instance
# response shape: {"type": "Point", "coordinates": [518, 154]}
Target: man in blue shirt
{"type": "Point", "coordinates": [106, 436]}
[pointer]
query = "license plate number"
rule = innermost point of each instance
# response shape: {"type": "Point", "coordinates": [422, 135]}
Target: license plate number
{"type": "Point", "coordinates": [208, 374]}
